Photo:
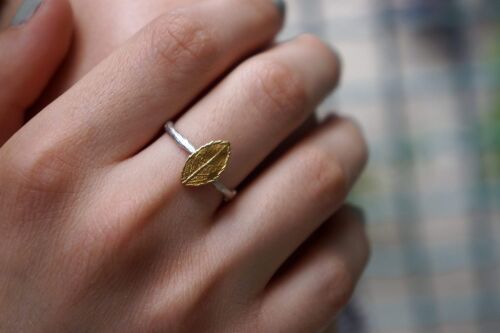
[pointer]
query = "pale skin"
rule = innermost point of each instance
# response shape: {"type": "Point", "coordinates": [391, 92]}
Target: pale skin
{"type": "Point", "coordinates": [97, 234]}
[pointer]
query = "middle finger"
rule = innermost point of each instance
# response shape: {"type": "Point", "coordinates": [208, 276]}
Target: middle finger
{"type": "Point", "coordinates": [123, 103]}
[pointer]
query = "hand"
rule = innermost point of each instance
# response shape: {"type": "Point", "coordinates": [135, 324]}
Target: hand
{"type": "Point", "coordinates": [30, 53]}
{"type": "Point", "coordinates": [100, 28]}
{"type": "Point", "coordinates": [98, 234]}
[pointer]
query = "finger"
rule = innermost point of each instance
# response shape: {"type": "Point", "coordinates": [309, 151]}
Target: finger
{"type": "Point", "coordinates": [255, 108]}
{"type": "Point", "coordinates": [311, 290]}
{"type": "Point", "coordinates": [280, 209]}
{"type": "Point", "coordinates": [30, 52]}
{"type": "Point", "coordinates": [124, 102]}
{"type": "Point", "coordinates": [102, 27]}
{"type": "Point", "coordinates": [306, 128]}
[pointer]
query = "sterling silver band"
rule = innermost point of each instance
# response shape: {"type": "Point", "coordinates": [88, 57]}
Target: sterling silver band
{"type": "Point", "coordinates": [188, 147]}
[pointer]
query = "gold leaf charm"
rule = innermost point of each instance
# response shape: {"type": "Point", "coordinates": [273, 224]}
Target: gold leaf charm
{"type": "Point", "coordinates": [206, 164]}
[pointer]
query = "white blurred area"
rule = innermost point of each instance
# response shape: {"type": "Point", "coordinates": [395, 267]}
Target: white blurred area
{"type": "Point", "coordinates": [422, 78]}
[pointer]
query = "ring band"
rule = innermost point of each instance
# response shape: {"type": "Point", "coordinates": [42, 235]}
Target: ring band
{"type": "Point", "coordinates": [204, 165]}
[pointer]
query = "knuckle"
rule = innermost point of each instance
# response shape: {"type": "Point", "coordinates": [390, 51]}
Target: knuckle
{"type": "Point", "coordinates": [353, 219]}
{"type": "Point", "coordinates": [338, 285]}
{"type": "Point", "coordinates": [357, 159]}
{"type": "Point", "coordinates": [326, 52]}
{"type": "Point", "coordinates": [326, 179]}
{"type": "Point", "coordinates": [277, 88]}
{"type": "Point", "coordinates": [180, 40]}
{"type": "Point", "coordinates": [361, 143]}
{"type": "Point", "coordinates": [317, 43]}
{"type": "Point", "coordinates": [363, 242]}
{"type": "Point", "coordinates": [42, 170]}
{"type": "Point", "coordinates": [264, 11]}
{"type": "Point", "coordinates": [358, 137]}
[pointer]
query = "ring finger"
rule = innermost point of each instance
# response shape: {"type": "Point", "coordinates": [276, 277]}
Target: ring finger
{"type": "Point", "coordinates": [255, 108]}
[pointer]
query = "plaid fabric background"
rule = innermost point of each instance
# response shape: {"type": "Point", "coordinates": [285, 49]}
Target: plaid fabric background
{"type": "Point", "coordinates": [423, 79]}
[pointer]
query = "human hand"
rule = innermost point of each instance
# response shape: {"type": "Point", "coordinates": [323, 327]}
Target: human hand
{"type": "Point", "coordinates": [100, 28]}
{"type": "Point", "coordinates": [98, 234]}
{"type": "Point", "coordinates": [30, 53]}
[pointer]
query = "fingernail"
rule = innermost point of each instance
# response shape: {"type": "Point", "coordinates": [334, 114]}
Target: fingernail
{"type": "Point", "coordinates": [25, 12]}
{"type": "Point", "coordinates": [281, 5]}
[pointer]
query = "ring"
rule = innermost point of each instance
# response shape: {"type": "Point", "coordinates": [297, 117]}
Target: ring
{"type": "Point", "coordinates": [205, 164]}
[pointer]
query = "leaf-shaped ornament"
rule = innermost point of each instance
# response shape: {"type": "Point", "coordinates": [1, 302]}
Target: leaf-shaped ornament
{"type": "Point", "coordinates": [206, 164]}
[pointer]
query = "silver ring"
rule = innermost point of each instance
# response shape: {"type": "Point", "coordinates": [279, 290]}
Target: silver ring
{"type": "Point", "coordinates": [205, 164]}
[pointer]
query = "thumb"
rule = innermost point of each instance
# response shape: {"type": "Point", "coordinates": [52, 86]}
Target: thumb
{"type": "Point", "coordinates": [31, 50]}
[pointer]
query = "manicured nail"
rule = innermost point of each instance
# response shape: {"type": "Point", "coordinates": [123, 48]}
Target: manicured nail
{"type": "Point", "coordinates": [25, 12]}
{"type": "Point", "coordinates": [281, 5]}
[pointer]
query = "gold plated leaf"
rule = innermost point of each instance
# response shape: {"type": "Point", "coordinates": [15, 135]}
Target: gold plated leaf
{"type": "Point", "coordinates": [206, 164]}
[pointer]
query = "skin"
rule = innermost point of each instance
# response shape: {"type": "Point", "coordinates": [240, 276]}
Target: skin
{"type": "Point", "coordinates": [97, 232]}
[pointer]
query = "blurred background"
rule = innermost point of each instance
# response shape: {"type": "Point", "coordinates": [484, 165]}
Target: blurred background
{"type": "Point", "coordinates": [423, 79]}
